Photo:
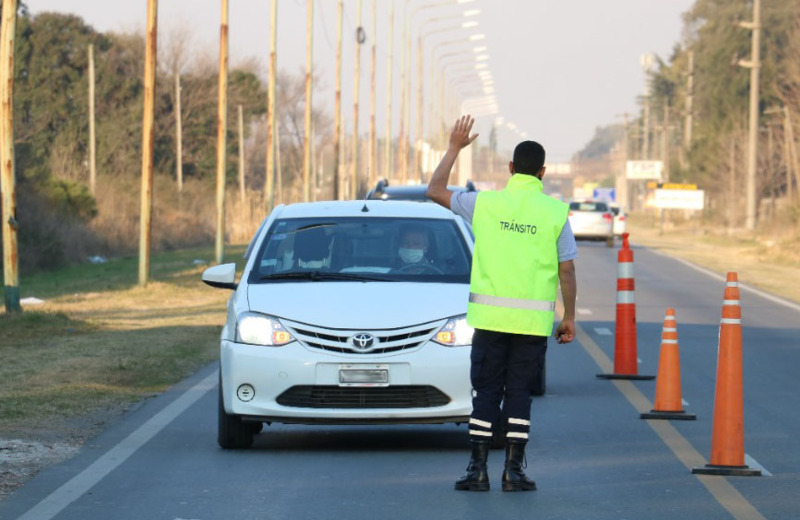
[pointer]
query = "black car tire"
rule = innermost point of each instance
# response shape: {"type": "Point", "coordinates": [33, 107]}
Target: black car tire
{"type": "Point", "coordinates": [232, 432]}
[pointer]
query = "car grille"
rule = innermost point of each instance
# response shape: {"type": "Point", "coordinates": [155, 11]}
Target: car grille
{"type": "Point", "coordinates": [340, 340]}
{"type": "Point", "coordinates": [363, 397]}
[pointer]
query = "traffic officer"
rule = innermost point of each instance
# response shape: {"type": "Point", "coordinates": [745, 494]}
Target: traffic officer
{"type": "Point", "coordinates": [523, 248]}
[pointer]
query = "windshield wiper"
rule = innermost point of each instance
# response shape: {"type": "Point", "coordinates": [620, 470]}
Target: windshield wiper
{"type": "Point", "coordinates": [317, 276]}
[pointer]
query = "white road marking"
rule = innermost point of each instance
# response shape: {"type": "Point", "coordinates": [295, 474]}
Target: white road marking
{"type": "Point", "coordinates": [74, 488]}
{"type": "Point", "coordinates": [603, 331]}
{"type": "Point", "coordinates": [583, 311]}
{"type": "Point", "coordinates": [685, 402]}
{"type": "Point", "coordinates": [753, 463]}
{"type": "Point", "coordinates": [717, 276]}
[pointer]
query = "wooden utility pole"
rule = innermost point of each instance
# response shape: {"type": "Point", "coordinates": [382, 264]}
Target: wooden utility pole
{"type": "Point", "coordinates": [337, 125]}
{"type": "Point", "coordinates": [665, 143]}
{"type": "Point", "coordinates": [309, 64]}
{"type": "Point", "coordinates": [419, 137]}
{"type": "Point", "coordinates": [373, 145]}
{"type": "Point", "coordinates": [407, 104]}
{"type": "Point", "coordinates": [269, 183]}
{"type": "Point", "coordinates": [357, 82]}
{"type": "Point", "coordinates": [178, 134]}
{"type": "Point", "coordinates": [401, 133]}
{"type": "Point", "coordinates": [222, 130]}
{"type": "Point", "coordinates": [795, 160]}
{"type": "Point", "coordinates": [7, 180]}
{"type": "Point", "coordinates": [688, 122]}
{"type": "Point", "coordinates": [241, 155]}
{"type": "Point", "coordinates": [92, 140]}
{"type": "Point", "coordinates": [147, 141]}
{"type": "Point", "coordinates": [387, 154]}
{"type": "Point", "coordinates": [754, 64]}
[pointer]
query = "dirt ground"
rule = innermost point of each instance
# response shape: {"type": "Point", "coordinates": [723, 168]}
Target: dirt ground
{"type": "Point", "coordinates": [770, 264]}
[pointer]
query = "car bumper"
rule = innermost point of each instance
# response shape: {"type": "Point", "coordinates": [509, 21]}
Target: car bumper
{"type": "Point", "coordinates": [593, 232]}
{"type": "Point", "coordinates": [276, 372]}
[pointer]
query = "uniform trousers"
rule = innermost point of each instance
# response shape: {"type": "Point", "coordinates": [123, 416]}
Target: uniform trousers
{"type": "Point", "coordinates": [503, 370]}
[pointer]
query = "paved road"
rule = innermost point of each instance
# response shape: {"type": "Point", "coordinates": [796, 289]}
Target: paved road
{"type": "Point", "coordinates": [591, 455]}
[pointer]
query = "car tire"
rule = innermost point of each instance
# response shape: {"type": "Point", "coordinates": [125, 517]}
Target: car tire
{"type": "Point", "coordinates": [232, 432]}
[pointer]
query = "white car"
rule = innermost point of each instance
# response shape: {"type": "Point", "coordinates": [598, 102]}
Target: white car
{"type": "Point", "coordinates": [591, 219]}
{"type": "Point", "coordinates": [620, 220]}
{"type": "Point", "coordinates": [327, 325]}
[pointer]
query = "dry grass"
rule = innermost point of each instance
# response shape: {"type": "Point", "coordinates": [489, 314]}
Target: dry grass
{"type": "Point", "coordinates": [100, 342]}
{"type": "Point", "coordinates": [769, 262]}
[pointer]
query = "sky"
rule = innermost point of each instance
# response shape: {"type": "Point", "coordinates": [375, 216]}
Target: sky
{"type": "Point", "coordinates": [560, 68]}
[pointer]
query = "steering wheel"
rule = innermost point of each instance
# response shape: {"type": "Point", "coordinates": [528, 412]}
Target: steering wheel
{"type": "Point", "coordinates": [422, 268]}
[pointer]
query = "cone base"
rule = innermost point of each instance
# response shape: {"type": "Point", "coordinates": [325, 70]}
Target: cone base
{"type": "Point", "coordinates": [736, 471]}
{"type": "Point", "coordinates": [625, 376]}
{"type": "Point", "coordinates": [679, 415]}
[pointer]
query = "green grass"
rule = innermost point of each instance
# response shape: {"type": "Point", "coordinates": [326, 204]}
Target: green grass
{"type": "Point", "coordinates": [101, 342]}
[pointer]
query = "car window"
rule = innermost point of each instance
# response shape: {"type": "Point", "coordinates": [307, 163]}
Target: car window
{"type": "Point", "coordinates": [364, 246]}
{"type": "Point", "coordinates": [588, 206]}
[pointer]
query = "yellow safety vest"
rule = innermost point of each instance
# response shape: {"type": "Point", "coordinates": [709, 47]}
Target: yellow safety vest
{"type": "Point", "coordinates": [514, 280]}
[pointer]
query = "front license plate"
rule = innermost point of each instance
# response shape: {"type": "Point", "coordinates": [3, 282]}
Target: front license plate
{"type": "Point", "coordinates": [363, 375]}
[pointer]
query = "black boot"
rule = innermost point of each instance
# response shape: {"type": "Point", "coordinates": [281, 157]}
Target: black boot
{"type": "Point", "coordinates": [514, 478]}
{"type": "Point", "coordinates": [477, 478]}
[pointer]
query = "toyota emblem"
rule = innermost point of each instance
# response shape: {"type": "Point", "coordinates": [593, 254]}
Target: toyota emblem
{"type": "Point", "coordinates": [362, 341]}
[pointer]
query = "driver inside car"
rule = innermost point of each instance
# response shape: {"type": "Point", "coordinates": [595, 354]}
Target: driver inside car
{"type": "Point", "coordinates": [413, 250]}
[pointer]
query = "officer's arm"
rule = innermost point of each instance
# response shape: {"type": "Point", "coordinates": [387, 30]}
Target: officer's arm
{"type": "Point", "coordinates": [565, 332]}
{"type": "Point", "coordinates": [459, 138]}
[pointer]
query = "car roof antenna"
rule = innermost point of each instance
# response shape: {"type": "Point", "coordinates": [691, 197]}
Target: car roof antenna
{"type": "Point", "coordinates": [365, 209]}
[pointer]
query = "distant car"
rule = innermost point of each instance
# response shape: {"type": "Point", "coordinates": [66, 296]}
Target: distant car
{"type": "Point", "coordinates": [593, 220]}
{"type": "Point", "coordinates": [382, 191]}
{"type": "Point", "coordinates": [620, 220]}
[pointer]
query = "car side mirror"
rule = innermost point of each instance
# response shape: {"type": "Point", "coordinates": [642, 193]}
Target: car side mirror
{"type": "Point", "coordinates": [221, 276]}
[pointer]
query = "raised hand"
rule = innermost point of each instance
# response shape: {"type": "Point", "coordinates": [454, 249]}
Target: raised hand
{"type": "Point", "coordinates": [460, 137]}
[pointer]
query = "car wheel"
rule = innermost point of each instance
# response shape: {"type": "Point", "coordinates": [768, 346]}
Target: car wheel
{"type": "Point", "coordinates": [232, 433]}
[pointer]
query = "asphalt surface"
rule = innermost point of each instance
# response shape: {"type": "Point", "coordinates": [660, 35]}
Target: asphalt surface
{"type": "Point", "coordinates": [591, 455]}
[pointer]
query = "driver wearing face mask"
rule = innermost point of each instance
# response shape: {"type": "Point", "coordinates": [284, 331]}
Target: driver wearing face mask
{"type": "Point", "coordinates": [413, 246]}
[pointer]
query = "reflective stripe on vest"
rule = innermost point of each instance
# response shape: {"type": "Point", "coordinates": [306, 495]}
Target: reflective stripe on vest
{"type": "Point", "coordinates": [514, 279]}
{"type": "Point", "coordinates": [512, 303]}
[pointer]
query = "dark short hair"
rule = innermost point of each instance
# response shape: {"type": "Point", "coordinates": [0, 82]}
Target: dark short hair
{"type": "Point", "coordinates": [528, 158]}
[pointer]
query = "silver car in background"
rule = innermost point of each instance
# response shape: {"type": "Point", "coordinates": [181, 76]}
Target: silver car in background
{"type": "Point", "coordinates": [593, 220]}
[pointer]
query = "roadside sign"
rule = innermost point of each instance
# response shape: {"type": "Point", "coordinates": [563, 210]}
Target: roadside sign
{"type": "Point", "coordinates": [606, 194]}
{"type": "Point", "coordinates": [558, 168]}
{"type": "Point", "coordinates": [643, 170]}
{"type": "Point", "coordinates": [679, 199]}
{"type": "Point", "coordinates": [675, 186]}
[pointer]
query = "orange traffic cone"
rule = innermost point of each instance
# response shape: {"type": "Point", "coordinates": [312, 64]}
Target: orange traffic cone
{"type": "Point", "coordinates": [727, 438]}
{"type": "Point", "coordinates": [669, 402]}
{"type": "Point", "coordinates": [625, 358]}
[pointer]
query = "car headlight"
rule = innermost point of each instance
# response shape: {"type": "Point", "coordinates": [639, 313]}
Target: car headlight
{"type": "Point", "coordinates": [260, 329]}
{"type": "Point", "coordinates": [455, 333]}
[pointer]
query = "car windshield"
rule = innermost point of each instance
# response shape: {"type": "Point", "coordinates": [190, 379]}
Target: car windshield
{"type": "Point", "coordinates": [362, 249]}
{"type": "Point", "coordinates": [588, 206]}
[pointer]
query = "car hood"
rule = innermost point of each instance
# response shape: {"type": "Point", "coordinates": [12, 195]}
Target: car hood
{"type": "Point", "coordinates": [351, 305]}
